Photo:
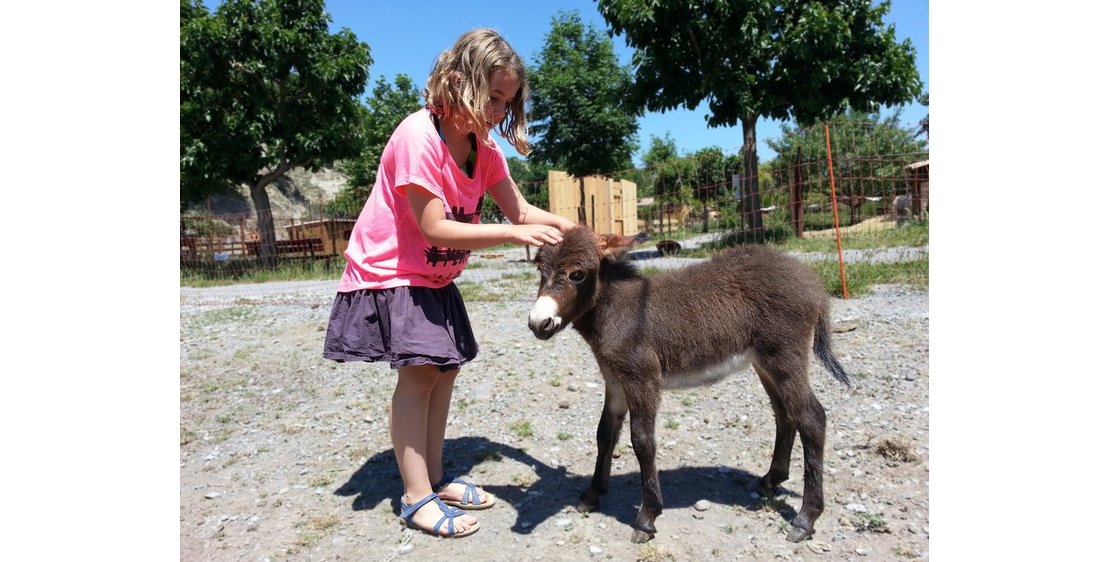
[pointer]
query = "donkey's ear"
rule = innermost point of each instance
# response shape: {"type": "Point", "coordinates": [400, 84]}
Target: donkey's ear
{"type": "Point", "coordinates": [615, 247]}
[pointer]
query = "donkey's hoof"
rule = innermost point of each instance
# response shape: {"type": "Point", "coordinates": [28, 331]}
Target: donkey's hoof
{"type": "Point", "coordinates": [639, 536]}
{"type": "Point", "coordinates": [798, 534]}
{"type": "Point", "coordinates": [768, 487]}
{"type": "Point", "coordinates": [588, 501]}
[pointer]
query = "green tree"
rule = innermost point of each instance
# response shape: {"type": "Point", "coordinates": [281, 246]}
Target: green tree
{"type": "Point", "coordinates": [650, 179]}
{"type": "Point", "coordinates": [923, 126]}
{"type": "Point", "coordinates": [384, 110]}
{"type": "Point", "coordinates": [869, 156]}
{"type": "Point", "coordinates": [265, 88]}
{"type": "Point", "coordinates": [530, 176]}
{"type": "Point", "coordinates": [791, 60]}
{"type": "Point", "coordinates": [577, 112]}
{"type": "Point", "coordinates": [660, 150]}
{"type": "Point", "coordinates": [712, 180]}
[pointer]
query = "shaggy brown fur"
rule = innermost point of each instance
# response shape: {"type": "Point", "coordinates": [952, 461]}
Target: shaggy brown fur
{"type": "Point", "coordinates": [748, 304]}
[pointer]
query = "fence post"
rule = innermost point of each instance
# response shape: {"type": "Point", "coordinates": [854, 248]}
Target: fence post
{"type": "Point", "coordinates": [738, 194]}
{"type": "Point", "coordinates": [593, 213]}
{"type": "Point", "coordinates": [659, 203]}
{"type": "Point", "coordinates": [915, 193]}
{"type": "Point", "coordinates": [797, 207]}
{"type": "Point", "coordinates": [836, 218]}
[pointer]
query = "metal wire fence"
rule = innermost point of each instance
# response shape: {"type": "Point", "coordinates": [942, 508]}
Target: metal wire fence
{"type": "Point", "coordinates": [850, 197]}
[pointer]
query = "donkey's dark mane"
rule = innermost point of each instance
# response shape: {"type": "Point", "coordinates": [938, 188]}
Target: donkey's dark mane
{"type": "Point", "coordinates": [613, 270]}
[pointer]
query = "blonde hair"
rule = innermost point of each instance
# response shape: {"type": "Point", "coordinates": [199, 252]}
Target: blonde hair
{"type": "Point", "coordinates": [460, 83]}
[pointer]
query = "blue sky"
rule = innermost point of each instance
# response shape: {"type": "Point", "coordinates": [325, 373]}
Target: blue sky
{"type": "Point", "coordinates": [406, 37]}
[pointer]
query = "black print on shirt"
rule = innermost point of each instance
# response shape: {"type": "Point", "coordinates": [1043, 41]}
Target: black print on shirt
{"type": "Point", "coordinates": [443, 256]}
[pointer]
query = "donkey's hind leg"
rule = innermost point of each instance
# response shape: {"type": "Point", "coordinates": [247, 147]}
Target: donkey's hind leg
{"type": "Point", "coordinates": [784, 437]}
{"type": "Point", "coordinates": [788, 374]}
{"type": "Point", "coordinates": [608, 432]}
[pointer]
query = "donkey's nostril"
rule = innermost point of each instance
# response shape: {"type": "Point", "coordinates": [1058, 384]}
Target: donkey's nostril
{"type": "Point", "coordinates": [544, 318]}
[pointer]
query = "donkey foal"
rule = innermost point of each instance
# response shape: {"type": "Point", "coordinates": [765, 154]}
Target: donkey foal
{"type": "Point", "coordinates": [748, 306]}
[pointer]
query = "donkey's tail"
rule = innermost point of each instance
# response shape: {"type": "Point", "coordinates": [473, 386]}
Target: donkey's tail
{"type": "Point", "coordinates": [822, 348]}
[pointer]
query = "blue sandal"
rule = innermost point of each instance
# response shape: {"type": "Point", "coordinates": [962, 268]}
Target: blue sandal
{"type": "Point", "coordinates": [470, 500]}
{"type": "Point", "coordinates": [449, 515]}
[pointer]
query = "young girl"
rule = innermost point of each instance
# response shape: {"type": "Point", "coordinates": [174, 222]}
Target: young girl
{"type": "Point", "coordinates": [396, 300]}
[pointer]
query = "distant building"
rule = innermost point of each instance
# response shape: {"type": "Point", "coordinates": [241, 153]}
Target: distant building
{"type": "Point", "coordinates": [918, 177]}
{"type": "Point", "coordinates": [334, 233]}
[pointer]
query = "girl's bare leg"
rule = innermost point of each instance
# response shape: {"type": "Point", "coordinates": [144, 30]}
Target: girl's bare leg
{"type": "Point", "coordinates": [410, 422]}
{"type": "Point", "coordinates": [439, 406]}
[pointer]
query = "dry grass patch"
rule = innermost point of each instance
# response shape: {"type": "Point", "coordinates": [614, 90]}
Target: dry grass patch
{"type": "Point", "coordinates": [321, 480]}
{"type": "Point", "coordinates": [898, 448]}
{"type": "Point", "coordinates": [654, 553]}
{"type": "Point", "coordinates": [323, 522]}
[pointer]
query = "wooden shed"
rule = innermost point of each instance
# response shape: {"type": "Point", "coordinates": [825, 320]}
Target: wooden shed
{"type": "Point", "coordinates": [610, 205]}
{"type": "Point", "coordinates": [919, 178]}
{"type": "Point", "coordinates": [333, 233]}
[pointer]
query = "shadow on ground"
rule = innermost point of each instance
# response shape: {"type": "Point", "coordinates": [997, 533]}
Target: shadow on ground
{"type": "Point", "coordinates": [554, 490]}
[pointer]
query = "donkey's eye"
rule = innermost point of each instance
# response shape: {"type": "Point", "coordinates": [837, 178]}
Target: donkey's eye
{"type": "Point", "coordinates": [577, 276]}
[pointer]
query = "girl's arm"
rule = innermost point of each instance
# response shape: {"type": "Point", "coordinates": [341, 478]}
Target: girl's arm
{"type": "Point", "coordinates": [519, 211]}
{"type": "Point", "coordinates": [439, 231]}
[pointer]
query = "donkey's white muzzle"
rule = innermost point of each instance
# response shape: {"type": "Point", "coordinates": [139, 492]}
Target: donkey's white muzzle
{"type": "Point", "coordinates": [544, 319]}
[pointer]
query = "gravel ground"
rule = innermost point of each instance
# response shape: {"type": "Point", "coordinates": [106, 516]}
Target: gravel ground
{"type": "Point", "coordinates": [286, 456]}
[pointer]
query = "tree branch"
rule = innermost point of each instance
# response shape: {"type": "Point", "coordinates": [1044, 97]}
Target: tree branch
{"type": "Point", "coordinates": [269, 177]}
{"type": "Point", "coordinates": [694, 42]}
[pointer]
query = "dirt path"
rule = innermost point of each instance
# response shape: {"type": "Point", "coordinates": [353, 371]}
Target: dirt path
{"type": "Point", "coordinates": [285, 456]}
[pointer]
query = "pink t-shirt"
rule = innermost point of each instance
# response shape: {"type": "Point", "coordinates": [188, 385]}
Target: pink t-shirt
{"type": "Point", "coordinates": [387, 248]}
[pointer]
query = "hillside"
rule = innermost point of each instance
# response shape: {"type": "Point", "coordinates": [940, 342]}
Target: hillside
{"type": "Point", "coordinates": [299, 195]}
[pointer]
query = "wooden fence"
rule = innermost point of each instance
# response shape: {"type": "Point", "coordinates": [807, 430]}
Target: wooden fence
{"type": "Point", "coordinates": [605, 205]}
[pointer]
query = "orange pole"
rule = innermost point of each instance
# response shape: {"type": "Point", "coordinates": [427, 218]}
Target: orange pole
{"type": "Point", "coordinates": [836, 217]}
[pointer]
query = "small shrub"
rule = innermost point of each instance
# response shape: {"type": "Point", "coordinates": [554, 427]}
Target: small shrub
{"type": "Point", "coordinates": [773, 505]}
{"type": "Point", "coordinates": [522, 428]}
{"type": "Point", "coordinates": [870, 522]}
{"type": "Point", "coordinates": [490, 456]}
{"type": "Point", "coordinates": [524, 479]}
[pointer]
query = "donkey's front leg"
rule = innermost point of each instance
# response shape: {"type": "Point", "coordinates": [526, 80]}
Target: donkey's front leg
{"type": "Point", "coordinates": [608, 432]}
{"type": "Point", "coordinates": [643, 405]}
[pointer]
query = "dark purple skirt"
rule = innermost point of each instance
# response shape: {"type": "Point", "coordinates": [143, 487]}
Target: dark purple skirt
{"type": "Point", "coordinates": [405, 326]}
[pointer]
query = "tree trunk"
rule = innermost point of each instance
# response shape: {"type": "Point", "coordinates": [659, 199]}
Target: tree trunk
{"type": "Point", "coordinates": [797, 207]}
{"type": "Point", "coordinates": [581, 200]}
{"type": "Point", "coordinates": [267, 243]}
{"type": "Point", "coordinates": [705, 218]}
{"type": "Point", "coordinates": [267, 247]}
{"type": "Point", "coordinates": [749, 186]}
